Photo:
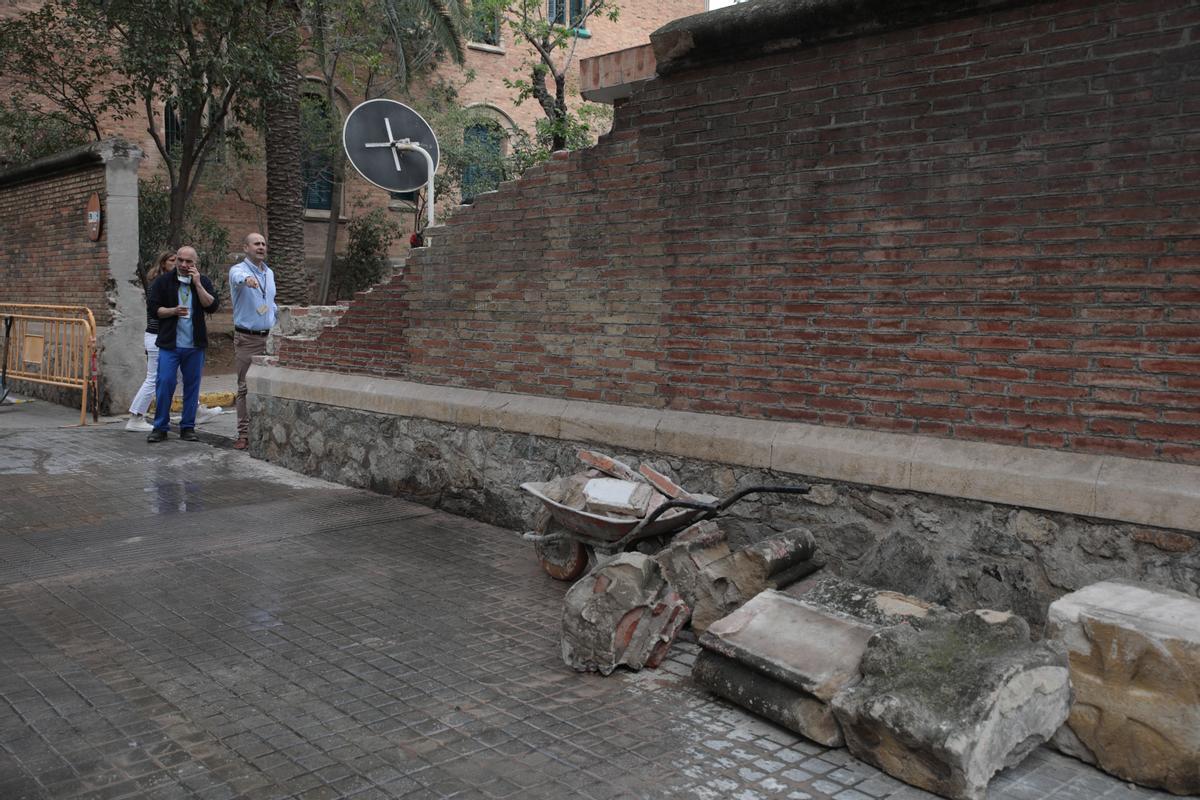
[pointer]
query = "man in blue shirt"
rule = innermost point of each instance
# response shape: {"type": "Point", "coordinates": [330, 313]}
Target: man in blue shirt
{"type": "Point", "coordinates": [180, 299]}
{"type": "Point", "coordinates": [252, 285]}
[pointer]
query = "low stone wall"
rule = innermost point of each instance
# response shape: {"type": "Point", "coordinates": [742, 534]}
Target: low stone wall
{"type": "Point", "coordinates": [960, 553]}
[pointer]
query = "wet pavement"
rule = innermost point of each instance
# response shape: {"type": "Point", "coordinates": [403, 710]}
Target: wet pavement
{"type": "Point", "coordinates": [183, 621]}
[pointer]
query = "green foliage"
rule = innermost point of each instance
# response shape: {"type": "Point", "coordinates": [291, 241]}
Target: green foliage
{"type": "Point", "coordinates": [553, 42]}
{"type": "Point", "coordinates": [366, 258]}
{"type": "Point", "coordinates": [469, 160]}
{"type": "Point", "coordinates": [379, 47]}
{"type": "Point", "coordinates": [96, 61]}
{"type": "Point", "coordinates": [61, 57]}
{"type": "Point", "coordinates": [210, 239]}
{"type": "Point", "coordinates": [29, 135]}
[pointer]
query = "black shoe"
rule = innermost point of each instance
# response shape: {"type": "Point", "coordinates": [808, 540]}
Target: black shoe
{"type": "Point", "coordinates": [156, 436]}
{"type": "Point", "coordinates": [188, 435]}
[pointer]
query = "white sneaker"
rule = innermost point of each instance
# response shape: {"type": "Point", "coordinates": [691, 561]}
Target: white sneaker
{"type": "Point", "coordinates": [138, 424]}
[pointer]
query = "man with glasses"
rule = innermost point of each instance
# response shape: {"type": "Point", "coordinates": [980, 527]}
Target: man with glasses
{"type": "Point", "coordinates": [180, 299]}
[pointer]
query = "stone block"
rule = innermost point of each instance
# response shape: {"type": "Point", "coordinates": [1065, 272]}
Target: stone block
{"type": "Point", "coordinates": [875, 607]}
{"type": "Point", "coordinates": [947, 701]}
{"type": "Point", "coordinates": [808, 649]}
{"type": "Point", "coordinates": [683, 560]}
{"type": "Point", "coordinates": [715, 581]}
{"type": "Point", "coordinates": [784, 705]}
{"type": "Point", "coordinates": [623, 612]}
{"type": "Point", "coordinates": [1135, 664]}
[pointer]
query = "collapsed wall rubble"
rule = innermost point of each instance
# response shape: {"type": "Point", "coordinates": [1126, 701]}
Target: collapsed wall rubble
{"type": "Point", "coordinates": [939, 699]}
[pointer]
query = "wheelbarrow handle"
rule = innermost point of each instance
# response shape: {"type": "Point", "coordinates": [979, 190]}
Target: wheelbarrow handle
{"type": "Point", "coordinates": [713, 509]}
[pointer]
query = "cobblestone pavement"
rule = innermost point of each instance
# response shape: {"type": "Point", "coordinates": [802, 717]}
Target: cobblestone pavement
{"type": "Point", "coordinates": [181, 621]}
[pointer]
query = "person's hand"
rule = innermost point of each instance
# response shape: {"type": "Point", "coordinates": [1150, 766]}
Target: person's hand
{"type": "Point", "coordinates": [252, 282]}
{"type": "Point", "coordinates": [181, 311]}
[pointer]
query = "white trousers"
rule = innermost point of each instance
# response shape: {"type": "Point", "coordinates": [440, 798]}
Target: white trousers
{"type": "Point", "coordinates": [141, 400]}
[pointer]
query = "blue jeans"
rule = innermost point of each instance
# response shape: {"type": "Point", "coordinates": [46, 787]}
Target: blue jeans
{"type": "Point", "coordinates": [189, 361]}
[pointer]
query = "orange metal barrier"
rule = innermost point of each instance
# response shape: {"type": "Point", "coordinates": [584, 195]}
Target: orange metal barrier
{"type": "Point", "coordinates": [55, 345]}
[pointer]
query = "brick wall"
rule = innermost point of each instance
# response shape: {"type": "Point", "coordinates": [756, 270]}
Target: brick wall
{"type": "Point", "coordinates": [985, 228]}
{"type": "Point", "coordinates": [45, 253]}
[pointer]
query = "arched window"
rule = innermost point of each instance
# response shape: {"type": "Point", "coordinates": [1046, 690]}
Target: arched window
{"type": "Point", "coordinates": [483, 145]}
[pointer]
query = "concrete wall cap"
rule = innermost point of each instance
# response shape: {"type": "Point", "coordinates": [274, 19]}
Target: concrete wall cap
{"type": "Point", "coordinates": [1152, 493]}
{"type": "Point", "coordinates": [746, 30]}
{"type": "Point", "coordinates": [94, 153]}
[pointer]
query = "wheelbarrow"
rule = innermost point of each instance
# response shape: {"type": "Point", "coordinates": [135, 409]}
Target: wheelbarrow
{"type": "Point", "coordinates": [567, 539]}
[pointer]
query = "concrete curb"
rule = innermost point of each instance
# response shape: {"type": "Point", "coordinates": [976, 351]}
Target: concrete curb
{"type": "Point", "coordinates": [1154, 493]}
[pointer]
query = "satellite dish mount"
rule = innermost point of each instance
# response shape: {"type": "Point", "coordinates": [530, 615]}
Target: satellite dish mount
{"type": "Point", "coordinates": [393, 147]}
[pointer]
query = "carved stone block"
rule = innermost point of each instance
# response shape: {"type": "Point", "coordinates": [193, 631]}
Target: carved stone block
{"type": "Point", "coordinates": [1135, 665]}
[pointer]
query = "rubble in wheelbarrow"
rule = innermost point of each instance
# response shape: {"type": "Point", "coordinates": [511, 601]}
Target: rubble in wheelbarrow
{"type": "Point", "coordinates": [715, 580]}
{"type": "Point", "coordinates": [615, 496]}
{"type": "Point", "coordinates": [622, 612]}
{"type": "Point", "coordinates": [937, 699]}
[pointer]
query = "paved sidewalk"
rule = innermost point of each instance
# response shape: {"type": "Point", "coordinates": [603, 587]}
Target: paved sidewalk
{"type": "Point", "coordinates": [182, 621]}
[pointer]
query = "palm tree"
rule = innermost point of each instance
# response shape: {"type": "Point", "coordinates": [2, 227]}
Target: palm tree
{"type": "Point", "coordinates": [342, 38]}
{"type": "Point", "coordinates": [285, 180]}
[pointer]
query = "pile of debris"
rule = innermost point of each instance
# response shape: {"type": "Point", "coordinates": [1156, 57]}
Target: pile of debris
{"type": "Point", "coordinates": [939, 699]}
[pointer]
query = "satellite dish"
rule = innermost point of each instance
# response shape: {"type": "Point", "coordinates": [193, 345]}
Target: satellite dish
{"type": "Point", "coordinates": [384, 141]}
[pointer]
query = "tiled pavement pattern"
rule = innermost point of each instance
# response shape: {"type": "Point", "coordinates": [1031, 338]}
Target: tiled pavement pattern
{"type": "Point", "coordinates": [184, 622]}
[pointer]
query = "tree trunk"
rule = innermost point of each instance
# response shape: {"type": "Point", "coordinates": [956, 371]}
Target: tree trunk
{"type": "Point", "coordinates": [178, 207]}
{"type": "Point", "coordinates": [285, 178]}
{"type": "Point", "coordinates": [331, 232]}
{"type": "Point", "coordinates": [560, 109]}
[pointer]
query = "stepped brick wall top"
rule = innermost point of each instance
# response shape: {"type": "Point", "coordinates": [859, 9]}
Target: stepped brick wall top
{"type": "Point", "coordinates": [46, 256]}
{"type": "Point", "coordinates": [984, 228]}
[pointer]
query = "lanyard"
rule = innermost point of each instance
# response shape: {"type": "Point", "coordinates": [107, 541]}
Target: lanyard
{"type": "Point", "coordinates": [260, 277]}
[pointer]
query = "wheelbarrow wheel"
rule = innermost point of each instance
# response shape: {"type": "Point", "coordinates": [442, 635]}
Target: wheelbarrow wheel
{"type": "Point", "coordinates": [564, 558]}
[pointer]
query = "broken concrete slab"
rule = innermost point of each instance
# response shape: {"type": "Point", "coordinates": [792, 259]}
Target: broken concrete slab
{"type": "Point", "coordinates": [614, 496]}
{"type": "Point", "coordinates": [622, 612]}
{"type": "Point", "coordinates": [784, 705]}
{"type": "Point", "coordinates": [780, 640]}
{"type": "Point", "coordinates": [1135, 664]}
{"type": "Point", "coordinates": [802, 646]}
{"type": "Point", "coordinates": [947, 701]}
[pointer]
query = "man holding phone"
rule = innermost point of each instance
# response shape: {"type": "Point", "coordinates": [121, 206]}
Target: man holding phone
{"type": "Point", "coordinates": [181, 299]}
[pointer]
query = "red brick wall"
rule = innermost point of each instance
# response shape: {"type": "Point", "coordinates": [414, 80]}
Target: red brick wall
{"type": "Point", "coordinates": [45, 253]}
{"type": "Point", "coordinates": [984, 229]}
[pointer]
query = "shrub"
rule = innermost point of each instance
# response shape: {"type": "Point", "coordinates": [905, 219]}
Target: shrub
{"type": "Point", "coordinates": [365, 261]}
